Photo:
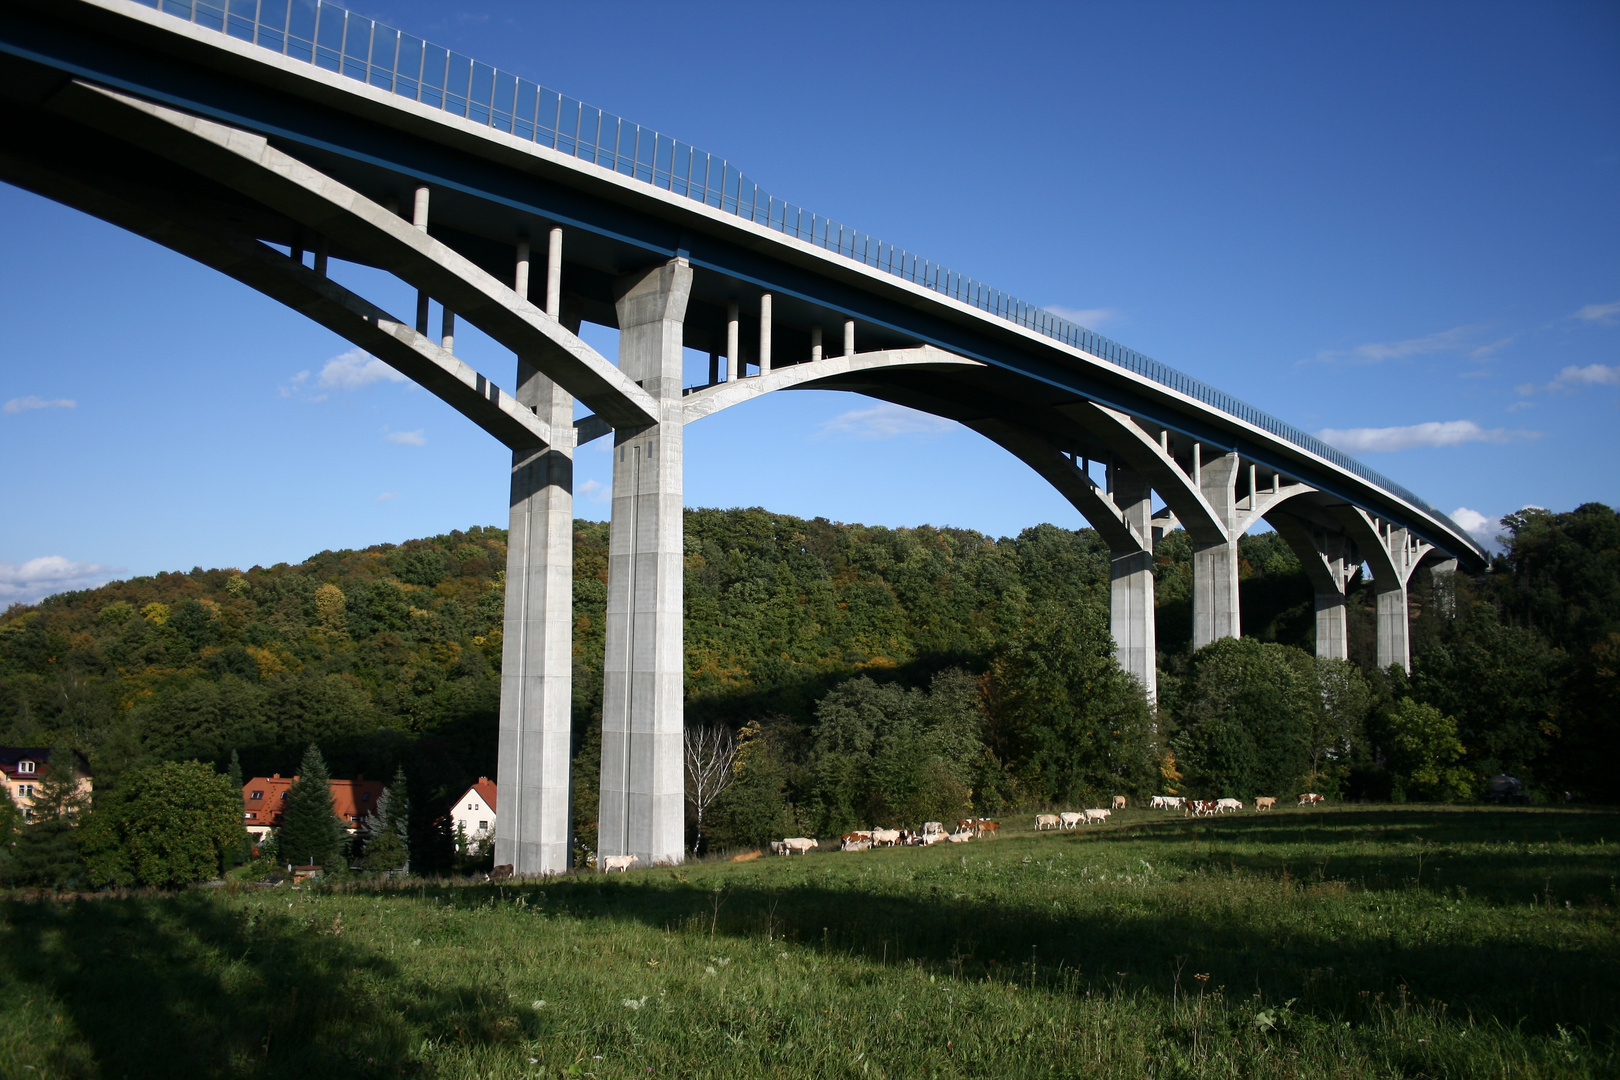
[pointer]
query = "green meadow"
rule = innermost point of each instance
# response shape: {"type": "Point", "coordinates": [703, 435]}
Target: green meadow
{"type": "Point", "coordinates": [1346, 942]}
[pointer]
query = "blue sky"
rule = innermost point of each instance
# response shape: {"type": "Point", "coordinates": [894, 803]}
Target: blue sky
{"type": "Point", "coordinates": [1395, 224]}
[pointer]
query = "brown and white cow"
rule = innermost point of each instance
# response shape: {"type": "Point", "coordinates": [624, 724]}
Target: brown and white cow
{"type": "Point", "coordinates": [1311, 799]}
{"type": "Point", "coordinates": [1200, 807]}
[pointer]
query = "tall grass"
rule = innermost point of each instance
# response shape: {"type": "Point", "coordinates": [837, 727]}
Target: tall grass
{"type": "Point", "coordinates": [1454, 943]}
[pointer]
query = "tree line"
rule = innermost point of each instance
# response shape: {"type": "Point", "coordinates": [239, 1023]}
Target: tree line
{"type": "Point", "coordinates": [869, 675]}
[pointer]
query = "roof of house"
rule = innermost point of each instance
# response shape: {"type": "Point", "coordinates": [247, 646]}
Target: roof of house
{"type": "Point", "coordinates": [11, 755]}
{"type": "Point", "coordinates": [485, 789]}
{"type": "Point", "coordinates": [351, 799]}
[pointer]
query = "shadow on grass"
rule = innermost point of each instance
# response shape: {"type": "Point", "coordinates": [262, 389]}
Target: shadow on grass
{"type": "Point", "coordinates": [185, 986]}
{"type": "Point", "coordinates": [1297, 939]}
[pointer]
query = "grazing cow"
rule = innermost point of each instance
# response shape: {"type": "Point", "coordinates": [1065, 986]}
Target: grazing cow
{"type": "Point", "coordinates": [1097, 817]}
{"type": "Point", "coordinates": [1119, 803]}
{"type": "Point", "coordinates": [1223, 805]}
{"type": "Point", "coordinates": [1264, 802]}
{"type": "Point", "coordinates": [620, 863]}
{"type": "Point", "coordinates": [800, 844]}
{"type": "Point", "coordinates": [1311, 799]}
{"type": "Point", "coordinates": [1071, 818]}
{"type": "Point", "coordinates": [885, 837]}
{"type": "Point", "coordinates": [502, 872]}
{"type": "Point", "coordinates": [1046, 821]}
{"type": "Point", "coordinates": [960, 837]}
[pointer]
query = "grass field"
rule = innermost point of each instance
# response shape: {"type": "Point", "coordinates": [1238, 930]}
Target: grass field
{"type": "Point", "coordinates": [1345, 942]}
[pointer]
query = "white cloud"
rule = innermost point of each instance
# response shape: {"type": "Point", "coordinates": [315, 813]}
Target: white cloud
{"type": "Point", "coordinates": [1376, 352]}
{"type": "Point", "coordinates": [1433, 433]}
{"type": "Point", "coordinates": [353, 370]}
{"type": "Point", "coordinates": [1090, 318]}
{"type": "Point", "coordinates": [595, 491]}
{"type": "Point", "coordinates": [1518, 406]}
{"type": "Point", "coordinates": [885, 421]}
{"type": "Point", "coordinates": [1484, 352]}
{"type": "Point", "coordinates": [385, 496]}
{"type": "Point", "coordinates": [1477, 525]}
{"type": "Point", "coordinates": [1600, 313]}
{"type": "Point", "coordinates": [407, 438]}
{"type": "Point", "coordinates": [1590, 375]}
{"type": "Point", "coordinates": [32, 581]}
{"type": "Point", "coordinates": [24, 404]}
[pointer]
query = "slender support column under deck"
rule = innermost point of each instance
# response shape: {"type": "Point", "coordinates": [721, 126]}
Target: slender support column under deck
{"type": "Point", "coordinates": [419, 218]}
{"type": "Point", "coordinates": [554, 274]}
{"type": "Point", "coordinates": [765, 334]}
{"type": "Point", "coordinates": [447, 324]}
{"type": "Point", "coordinates": [642, 794]}
{"type": "Point", "coordinates": [731, 343]}
{"type": "Point", "coordinates": [1215, 562]}
{"type": "Point", "coordinates": [1130, 607]}
{"type": "Point", "coordinates": [815, 343]}
{"type": "Point", "coordinates": [849, 337]}
{"type": "Point", "coordinates": [533, 826]}
{"type": "Point", "coordinates": [520, 272]}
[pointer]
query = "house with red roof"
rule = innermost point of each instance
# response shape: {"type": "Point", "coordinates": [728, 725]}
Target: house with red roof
{"type": "Point", "coordinates": [264, 799]}
{"type": "Point", "coordinates": [474, 815]}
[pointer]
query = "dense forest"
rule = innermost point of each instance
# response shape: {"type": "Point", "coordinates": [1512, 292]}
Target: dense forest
{"type": "Point", "coordinates": [870, 674]}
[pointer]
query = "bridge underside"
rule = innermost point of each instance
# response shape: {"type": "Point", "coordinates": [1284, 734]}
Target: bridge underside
{"type": "Point", "coordinates": [285, 185]}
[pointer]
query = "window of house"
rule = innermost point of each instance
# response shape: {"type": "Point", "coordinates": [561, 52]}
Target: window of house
{"type": "Point", "coordinates": [25, 766]}
{"type": "Point", "coordinates": [365, 796]}
{"type": "Point", "coordinates": [283, 796]}
{"type": "Point", "coordinates": [25, 789]}
{"type": "Point", "coordinates": [28, 813]}
{"type": "Point", "coordinates": [472, 806]}
{"type": "Point", "coordinates": [351, 817]}
{"type": "Point", "coordinates": [250, 815]}
{"type": "Point", "coordinates": [483, 824]}
{"type": "Point", "coordinates": [255, 795]}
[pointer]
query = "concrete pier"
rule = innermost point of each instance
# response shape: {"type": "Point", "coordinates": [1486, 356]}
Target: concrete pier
{"type": "Point", "coordinates": [1215, 562]}
{"type": "Point", "coordinates": [1130, 608]}
{"type": "Point", "coordinates": [532, 828]}
{"type": "Point", "coordinates": [642, 792]}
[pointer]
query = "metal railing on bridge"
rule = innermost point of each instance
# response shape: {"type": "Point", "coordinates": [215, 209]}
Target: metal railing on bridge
{"type": "Point", "coordinates": [342, 41]}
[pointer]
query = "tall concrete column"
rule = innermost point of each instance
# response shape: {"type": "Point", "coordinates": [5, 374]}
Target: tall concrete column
{"type": "Point", "coordinates": [1329, 560]}
{"type": "Point", "coordinates": [537, 658]}
{"type": "Point", "coordinates": [1130, 607]}
{"type": "Point", "coordinates": [642, 794]}
{"type": "Point", "coordinates": [1215, 561]}
{"type": "Point", "coordinates": [1394, 638]}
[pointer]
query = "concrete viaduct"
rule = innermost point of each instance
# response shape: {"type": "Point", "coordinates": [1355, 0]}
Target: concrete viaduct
{"type": "Point", "coordinates": [265, 138]}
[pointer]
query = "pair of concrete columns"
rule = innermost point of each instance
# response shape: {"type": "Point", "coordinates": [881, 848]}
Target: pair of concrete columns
{"type": "Point", "coordinates": [642, 788]}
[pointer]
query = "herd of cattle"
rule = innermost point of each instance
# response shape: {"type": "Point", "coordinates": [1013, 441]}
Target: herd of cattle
{"type": "Point", "coordinates": [934, 832]}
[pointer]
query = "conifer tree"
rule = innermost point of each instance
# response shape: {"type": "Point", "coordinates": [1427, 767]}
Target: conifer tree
{"type": "Point", "coordinates": [387, 829]}
{"type": "Point", "coordinates": [310, 831]}
{"type": "Point", "coordinates": [243, 849]}
{"type": "Point", "coordinates": [47, 852]}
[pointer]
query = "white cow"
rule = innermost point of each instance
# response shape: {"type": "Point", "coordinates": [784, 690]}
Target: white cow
{"type": "Point", "coordinates": [1070, 818]}
{"type": "Point", "coordinates": [1046, 821]}
{"type": "Point", "coordinates": [620, 863]}
{"type": "Point", "coordinates": [1223, 805]}
{"type": "Point", "coordinates": [1097, 817]}
{"type": "Point", "coordinates": [960, 837]}
{"type": "Point", "coordinates": [800, 844]}
{"type": "Point", "coordinates": [885, 837]}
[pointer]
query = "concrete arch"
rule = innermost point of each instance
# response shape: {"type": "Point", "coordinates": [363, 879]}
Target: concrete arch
{"type": "Point", "coordinates": [313, 295]}
{"type": "Point", "coordinates": [246, 163]}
